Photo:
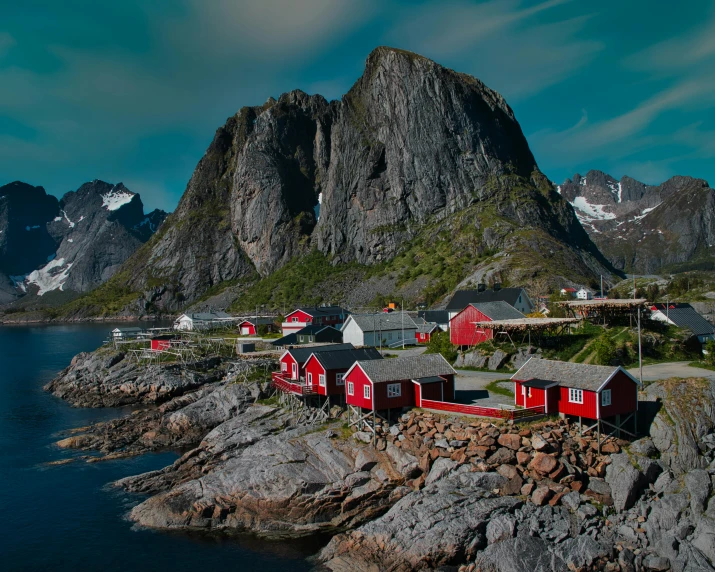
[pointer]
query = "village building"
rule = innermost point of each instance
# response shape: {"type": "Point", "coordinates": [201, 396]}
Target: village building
{"type": "Point", "coordinates": [686, 317]}
{"type": "Point", "coordinates": [202, 321]}
{"type": "Point", "coordinates": [325, 369]}
{"type": "Point", "coordinates": [128, 333]}
{"type": "Point", "coordinates": [380, 329]}
{"type": "Point", "coordinates": [439, 317]}
{"type": "Point", "coordinates": [516, 297]}
{"type": "Point", "coordinates": [310, 335]}
{"type": "Point", "coordinates": [584, 294]}
{"type": "Point", "coordinates": [463, 329]}
{"type": "Point", "coordinates": [425, 331]}
{"type": "Point", "coordinates": [293, 360]}
{"type": "Point", "coordinates": [250, 326]}
{"type": "Point", "coordinates": [399, 382]}
{"type": "Point", "coordinates": [568, 292]}
{"type": "Point", "coordinates": [587, 391]}
{"type": "Point", "coordinates": [161, 342]}
{"type": "Point", "coordinates": [321, 316]}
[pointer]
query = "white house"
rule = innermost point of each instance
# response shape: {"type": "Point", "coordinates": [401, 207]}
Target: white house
{"type": "Point", "coordinates": [202, 320]}
{"type": "Point", "coordinates": [380, 329]}
{"type": "Point", "coordinates": [125, 333]}
{"type": "Point", "coordinates": [584, 294]}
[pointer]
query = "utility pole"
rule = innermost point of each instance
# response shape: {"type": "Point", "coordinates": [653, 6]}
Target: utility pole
{"type": "Point", "coordinates": [602, 286]}
{"type": "Point", "coordinates": [640, 348]}
{"type": "Point", "coordinates": [402, 308]}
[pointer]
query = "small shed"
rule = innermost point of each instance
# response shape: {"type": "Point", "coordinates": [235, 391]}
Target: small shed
{"type": "Point", "coordinates": [161, 342]}
{"type": "Point", "coordinates": [425, 331]}
{"type": "Point", "coordinates": [126, 333]}
{"type": "Point", "coordinates": [249, 326]}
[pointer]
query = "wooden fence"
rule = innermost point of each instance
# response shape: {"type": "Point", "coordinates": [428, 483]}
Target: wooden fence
{"type": "Point", "coordinates": [495, 412]}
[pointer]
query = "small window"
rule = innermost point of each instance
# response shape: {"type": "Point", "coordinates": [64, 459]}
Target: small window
{"type": "Point", "coordinates": [310, 378]}
{"type": "Point", "coordinates": [523, 391]}
{"type": "Point", "coordinates": [284, 366]}
{"type": "Point", "coordinates": [321, 380]}
{"type": "Point", "coordinates": [528, 393]}
{"type": "Point", "coordinates": [394, 390]}
{"type": "Point", "coordinates": [606, 397]}
{"type": "Point", "coordinates": [366, 391]}
{"type": "Point", "coordinates": [576, 395]}
{"type": "Point", "coordinates": [339, 380]}
{"type": "Point", "coordinates": [351, 388]}
{"type": "Point", "coordinates": [294, 319]}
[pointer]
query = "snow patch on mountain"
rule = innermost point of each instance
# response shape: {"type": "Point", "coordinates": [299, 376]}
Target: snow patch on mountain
{"type": "Point", "coordinates": [114, 199]}
{"type": "Point", "coordinates": [645, 213]}
{"type": "Point", "coordinates": [589, 211]}
{"type": "Point", "coordinates": [50, 277]}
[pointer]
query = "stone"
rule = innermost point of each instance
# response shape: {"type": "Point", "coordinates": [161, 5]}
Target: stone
{"type": "Point", "coordinates": [507, 471]}
{"type": "Point", "coordinates": [366, 459]}
{"type": "Point", "coordinates": [656, 563]}
{"type": "Point", "coordinates": [519, 554]}
{"type": "Point", "coordinates": [502, 456]}
{"type": "Point", "coordinates": [500, 528]}
{"type": "Point", "coordinates": [440, 468]}
{"type": "Point", "coordinates": [610, 447]}
{"type": "Point", "coordinates": [571, 501]}
{"type": "Point", "coordinates": [699, 486]}
{"type": "Point", "coordinates": [523, 458]}
{"type": "Point", "coordinates": [586, 511]}
{"type": "Point", "coordinates": [625, 481]}
{"type": "Point", "coordinates": [543, 463]}
{"type": "Point", "coordinates": [363, 436]}
{"type": "Point", "coordinates": [405, 463]}
{"type": "Point", "coordinates": [541, 495]}
{"type": "Point", "coordinates": [510, 440]}
{"type": "Point", "coordinates": [644, 447]}
{"type": "Point", "coordinates": [497, 360]}
{"type": "Point", "coordinates": [599, 486]}
{"type": "Point", "coordinates": [527, 489]}
{"type": "Point", "coordinates": [539, 443]}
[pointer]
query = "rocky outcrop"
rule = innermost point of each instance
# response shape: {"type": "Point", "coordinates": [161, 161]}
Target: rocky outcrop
{"type": "Point", "coordinates": [642, 228]}
{"type": "Point", "coordinates": [111, 378]}
{"type": "Point", "coordinates": [412, 148]}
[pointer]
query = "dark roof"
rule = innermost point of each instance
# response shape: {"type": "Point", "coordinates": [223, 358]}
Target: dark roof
{"type": "Point", "coordinates": [343, 359]}
{"type": "Point", "coordinates": [414, 367]}
{"type": "Point", "coordinates": [383, 321]}
{"type": "Point", "coordinates": [577, 375]}
{"type": "Point", "coordinates": [312, 329]}
{"type": "Point", "coordinates": [261, 320]}
{"type": "Point", "coordinates": [286, 340]}
{"type": "Point", "coordinates": [539, 383]}
{"type": "Point", "coordinates": [127, 330]}
{"type": "Point", "coordinates": [685, 316]}
{"type": "Point", "coordinates": [438, 316]}
{"type": "Point", "coordinates": [499, 310]}
{"type": "Point", "coordinates": [302, 353]}
{"type": "Point", "coordinates": [322, 310]}
{"type": "Point", "coordinates": [430, 379]}
{"type": "Point", "coordinates": [462, 298]}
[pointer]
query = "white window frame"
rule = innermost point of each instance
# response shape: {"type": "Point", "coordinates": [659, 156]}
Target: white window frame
{"type": "Point", "coordinates": [294, 319]}
{"type": "Point", "coordinates": [294, 371]}
{"type": "Point", "coordinates": [351, 388]}
{"type": "Point", "coordinates": [394, 390]}
{"type": "Point", "coordinates": [606, 398]}
{"type": "Point", "coordinates": [523, 391]}
{"type": "Point", "coordinates": [366, 391]}
{"type": "Point", "coordinates": [575, 395]}
{"type": "Point", "coordinates": [321, 380]}
{"type": "Point", "coordinates": [284, 366]}
{"type": "Point", "coordinates": [339, 379]}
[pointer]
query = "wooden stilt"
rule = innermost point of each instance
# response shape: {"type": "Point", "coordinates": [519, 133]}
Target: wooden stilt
{"type": "Point", "coordinates": [599, 437]}
{"type": "Point", "coordinates": [580, 425]}
{"type": "Point", "coordinates": [374, 429]}
{"type": "Point", "coordinates": [618, 426]}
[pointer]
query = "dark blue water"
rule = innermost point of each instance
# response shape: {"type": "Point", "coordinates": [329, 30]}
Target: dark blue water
{"type": "Point", "coordinates": [64, 517]}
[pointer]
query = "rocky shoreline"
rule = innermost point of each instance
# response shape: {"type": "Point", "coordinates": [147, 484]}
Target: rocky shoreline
{"type": "Point", "coordinates": [434, 492]}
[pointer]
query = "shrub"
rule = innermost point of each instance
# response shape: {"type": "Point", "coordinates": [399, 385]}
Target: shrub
{"type": "Point", "coordinates": [439, 344]}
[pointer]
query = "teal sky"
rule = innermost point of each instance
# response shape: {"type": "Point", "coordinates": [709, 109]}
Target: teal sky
{"type": "Point", "coordinates": [133, 91]}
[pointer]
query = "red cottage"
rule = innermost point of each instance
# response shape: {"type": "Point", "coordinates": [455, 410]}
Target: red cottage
{"type": "Point", "coordinates": [293, 360]}
{"type": "Point", "coordinates": [161, 343]}
{"type": "Point", "coordinates": [325, 370]}
{"type": "Point", "coordinates": [400, 382]}
{"type": "Point", "coordinates": [580, 390]}
{"type": "Point", "coordinates": [463, 330]}
{"type": "Point", "coordinates": [321, 316]}
{"type": "Point", "coordinates": [425, 331]}
{"type": "Point", "coordinates": [249, 326]}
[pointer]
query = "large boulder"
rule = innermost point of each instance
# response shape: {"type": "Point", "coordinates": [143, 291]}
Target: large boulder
{"type": "Point", "coordinates": [497, 360]}
{"type": "Point", "coordinates": [626, 481]}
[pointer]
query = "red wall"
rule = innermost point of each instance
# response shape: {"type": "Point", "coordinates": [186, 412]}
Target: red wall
{"type": "Point", "coordinates": [321, 319]}
{"type": "Point", "coordinates": [585, 409]}
{"type": "Point", "coordinates": [331, 387]}
{"type": "Point", "coordinates": [406, 398]}
{"type": "Point", "coordinates": [160, 345]}
{"type": "Point", "coordinates": [251, 328]}
{"type": "Point", "coordinates": [288, 359]}
{"type": "Point", "coordinates": [358, 377]}
{"type": "Point", "coordinates": [624, 396]}
{"type": "Point", "coordinates": [423, 338]}
{"type": "Point", "coordinates": [462, 331]}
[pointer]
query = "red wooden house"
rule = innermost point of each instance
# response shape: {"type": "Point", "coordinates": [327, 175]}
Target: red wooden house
{"type": "Point", "coordinates": [425, 331]}
{"type": "Point", "coordinates": [249, 327]}
{"type": "Point", "coordinates": [400, 382]}
{"type": "Point", "coordinates": [581, 390]}
{"type": "Point", "coordinates": [162, 342]}
{"type": "Point", "coordinates": [325, 370]}
{"type": "Point", "coordinates": [293, 360]}
{"type": "Point", "coordinates": [321, 316]}
{"type": "Point", "coordinates": [463, 330]}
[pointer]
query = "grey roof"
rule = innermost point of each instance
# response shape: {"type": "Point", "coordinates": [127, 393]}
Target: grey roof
{"type": "Point", "coordinates": [261, 320]}
{"type": "Point", "coordinates": [427, 327]}
{"type": "Point", "coordinates": [438, 316]}
{"type": "Point", "coordinates": [383, 321]}
{"type": "Point", "coordinates": [576, 375]}
{"type": "Point", "coordinates": [462, 298]}
{"type": "Point", "coordinates": [343, 359]}
{"type": "Point", "coordinates": [302, 353]}
{"type": "Point", "coordinates": [312, 329]}
{"type": "Point", "coordinates": [208, 316]}
{"type": "Point", "coordinates": [430, 379]}
{"type": "Point", "coordinates": [499, 310]}
{"type": "Point", "coordinates": [414, 367]}
{"type": "Point", "coordinates": [323, 310]}
{"type": "Point", "coordinates": [685, 316]}
{"type": "Point", "coordinates": [127, 330]}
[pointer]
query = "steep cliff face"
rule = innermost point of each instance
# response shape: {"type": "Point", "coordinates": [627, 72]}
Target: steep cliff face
{"type": "Point", "coordinates": [646, 229]}
{"type": "Point", "coordinates": [411, 145]}
{"type": "Point", "coordinates": [74, 244]}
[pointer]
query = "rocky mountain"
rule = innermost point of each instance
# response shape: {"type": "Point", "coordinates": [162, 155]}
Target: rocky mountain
{"type": "Point", "coordinates": [411, 146]}
{"type": "Point", "coordinates": [74, 244]}
{"type": "Point", "coordinates": [646, 229]}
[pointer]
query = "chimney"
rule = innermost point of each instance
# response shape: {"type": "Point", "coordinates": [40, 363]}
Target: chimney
{"type": "Point", "coordinates": [481, 287]}
{"type": "Point", "coordinates": [497, 286]}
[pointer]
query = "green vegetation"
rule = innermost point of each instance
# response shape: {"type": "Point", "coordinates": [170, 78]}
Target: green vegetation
{"type": "Point", "coordinates": [440, 344]}
{"type": "Point", "coordinates": [494, 387]}
{"type": "Point", "coordinates": [270, 401]}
